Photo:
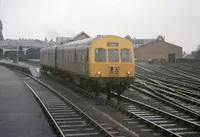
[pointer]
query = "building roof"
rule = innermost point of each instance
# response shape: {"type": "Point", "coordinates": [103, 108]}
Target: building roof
{"type": "Point", "coordinates": [63, 38]}
{"type": "Point", "coordinates": [157, 41]}
{"type": "Point", "coordinates": [138, 42]}
{"type": "Point", "coordinates": [46, 43]}
{"type": "Point", "coordinates": [70, 39]}
{"type": "Point", "coordinates": [24, 43]}
{"type": "Point", "coordinates": [142, 41]}
{"type": "Point", "coordinates": [81, 33]}
{"type": "Point", "coordinates": [60, 40]}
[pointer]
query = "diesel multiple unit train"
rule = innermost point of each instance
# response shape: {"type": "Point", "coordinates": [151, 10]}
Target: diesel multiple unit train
{"type": "Point", "coordinates": [100, 64]}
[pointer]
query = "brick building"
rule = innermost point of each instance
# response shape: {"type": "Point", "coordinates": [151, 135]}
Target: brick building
{"type": "Point", "coordinates": [158, 51]}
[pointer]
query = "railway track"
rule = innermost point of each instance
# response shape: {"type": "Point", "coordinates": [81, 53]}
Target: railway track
{"type": "Point", "coordinates": [181, 81]}
{"type": "Point", "coordinates": [67, 118]}
{"type": "Point", "coordinates": [171, 92]}
{"type": "Point", "coordinates": [194, 66]}
{"type": "Point", "coordinates": [162, 102]}
{"type": "Point", "coordinates": [182, 73]}
{"type": "Point", "coordinates": [182, 86]}
{"type": "Point", "coordinates": [178, 83]}
{"type": "Point", "coordinates": [172, 95]}
{"type": "Point", "coordinates": [136, 128]}
{"type": "Point", "coordinates": [191, 71]}
{"type": "Point", "coordinates": [166, 123]}
{"type": "Point", "coordinates": [186, 91]}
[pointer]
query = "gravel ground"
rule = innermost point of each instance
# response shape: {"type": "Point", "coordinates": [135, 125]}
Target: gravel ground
{"type": "Point", "coordinates": [103, 114]}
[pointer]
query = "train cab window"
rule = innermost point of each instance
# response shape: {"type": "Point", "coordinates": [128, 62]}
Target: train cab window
{"type": "Point", "coordinates": [126, 55]}
{"type": "Point", "coordinates": [100, 55]}
{"type": "Point", "coordinates": [113, 55]}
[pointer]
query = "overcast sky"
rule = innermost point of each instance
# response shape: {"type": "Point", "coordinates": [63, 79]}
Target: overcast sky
{"type": "Point", "coordinates": [177, 20]}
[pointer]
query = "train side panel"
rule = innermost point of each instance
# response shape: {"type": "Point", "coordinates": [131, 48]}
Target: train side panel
{"type": "Point", "coordinates": [76, 60]}
{"type": "Point", "coordinates": [73, 58]}
{"type": "Point", "coordinates": [44, 57]}
{"type": "Point", "coordinates": [60, 57]}
{"type": "Point", "coordinates": [52, 57]}
{"type": "Point", "coordinates": [48, 58]}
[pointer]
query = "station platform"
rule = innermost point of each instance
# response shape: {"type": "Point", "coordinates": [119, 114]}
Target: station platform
{"type": "Point", "coordinates": [20, 113]}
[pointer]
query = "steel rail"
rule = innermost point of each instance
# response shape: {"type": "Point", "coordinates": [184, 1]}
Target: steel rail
{"type": "Point", "coordinates": [180, 120]}
{"type": "Point", "coordinates": [59, 131]}
{"type": "Point", "coordinates": [168, 76]}
{"type": "Point", "coordinates": [174, 93]}
{"type": "Point", "coordinates": [144, 85]}
{"type": "Point", "coordinates": [170, 103]}
{"type": "Point", "coordinates": [88, 118]}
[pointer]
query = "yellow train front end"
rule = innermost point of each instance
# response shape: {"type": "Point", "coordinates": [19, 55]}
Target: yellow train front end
{"type": "Point", "coordinates": [111, 63]}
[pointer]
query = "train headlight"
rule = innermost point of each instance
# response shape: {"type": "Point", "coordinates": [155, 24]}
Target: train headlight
{"type": "Point", "coordinates": [99, 73]}
{"type": "Point", "coordinates": [128, 73]}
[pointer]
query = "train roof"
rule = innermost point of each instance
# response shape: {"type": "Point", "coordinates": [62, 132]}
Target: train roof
{"type": "Point", "coordinates": [85, 42]}
{"type": "Point", "coordinates": [48, 48]}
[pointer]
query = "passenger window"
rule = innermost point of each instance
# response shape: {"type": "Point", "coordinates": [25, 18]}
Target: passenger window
{"type": "Point", "coordinates": [113, 55]}
{"type": "Point", "coordinates": [70, 58]}
{"type": "Point", "coordinates": [82, 56]}
{"type": "Point", "coordinates": [78, 56]}
{"type": "Point", "coordinates": [126, 55]}
{"type": "Point", "coordinates": [75, 55]}
{"type": "Point", "coordinates": [100, 55]}
{"type": "Point", "coordinates": [67, 55]}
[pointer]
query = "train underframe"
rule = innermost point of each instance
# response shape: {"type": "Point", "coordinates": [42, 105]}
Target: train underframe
{"type": "Point", "coordinates": [97, 85]}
